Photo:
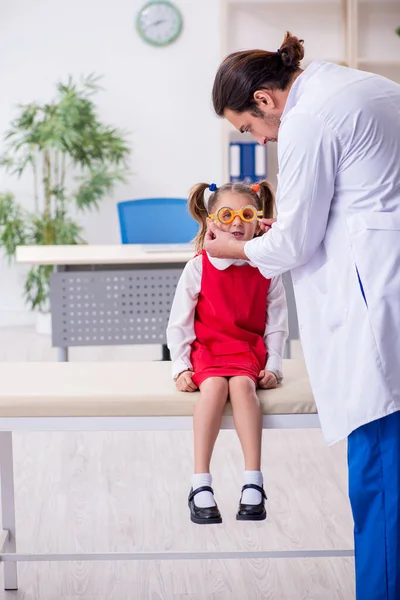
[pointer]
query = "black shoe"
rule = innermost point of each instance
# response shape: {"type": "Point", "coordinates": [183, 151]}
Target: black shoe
{"type": "Point", "coordinates": [252, 512]}
{"type": "Point", "coordinates": [203, 516]}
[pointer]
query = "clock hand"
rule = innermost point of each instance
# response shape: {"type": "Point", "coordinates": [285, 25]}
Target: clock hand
{"type": "Point", "coordinates": [156, 23]}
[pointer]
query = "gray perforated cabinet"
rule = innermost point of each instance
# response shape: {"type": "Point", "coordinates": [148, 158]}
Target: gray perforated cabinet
{"type": "Point", "coordinates": [111, 305]}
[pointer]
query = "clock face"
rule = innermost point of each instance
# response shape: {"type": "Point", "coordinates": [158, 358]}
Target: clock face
{"type": "Point", "coordinates": [159, 23]}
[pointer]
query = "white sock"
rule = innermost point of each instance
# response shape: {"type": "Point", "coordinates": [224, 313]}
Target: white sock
{"type": "Point", "coordinates": [251, 496]}
{"type": "Point", "coordinates": [202, 499]}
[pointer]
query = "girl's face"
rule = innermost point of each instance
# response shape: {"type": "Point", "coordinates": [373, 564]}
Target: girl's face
{"type": "Point", "coordinates": [238, 228]}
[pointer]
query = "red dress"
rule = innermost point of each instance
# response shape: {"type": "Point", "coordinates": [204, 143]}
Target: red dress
{"type": "Point", "coordinates": [230, 322]}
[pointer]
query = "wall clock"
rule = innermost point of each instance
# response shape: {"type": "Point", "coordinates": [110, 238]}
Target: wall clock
{"type": "Point", "coordinates": [159, 22]}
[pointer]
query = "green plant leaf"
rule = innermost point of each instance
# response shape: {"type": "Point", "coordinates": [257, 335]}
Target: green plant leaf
{"type": "Point", "coordinates": [37, 286]}
{"type": "Point", "coordinates": [7, 162]}
{"type": "Point", "coordinates": [14, 229]}
{"type": "Point", "coordinates": [96, 186]}
{"type": "Point", "coordinates": [60, 230]}
{"type": "Point", "coordinates": [19, 165]}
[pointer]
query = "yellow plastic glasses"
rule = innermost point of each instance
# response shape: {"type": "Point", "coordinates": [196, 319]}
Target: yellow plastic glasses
{"type": "Point", "coordinates": [247, 214]}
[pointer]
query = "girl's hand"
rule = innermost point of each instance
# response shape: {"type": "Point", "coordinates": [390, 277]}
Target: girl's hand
{"type": "Point", "coordinates": [266, 224]}
{"type": "Point", "coordinates": [268, 380]}
{"type": "Point", "coordinates": [184, 382]}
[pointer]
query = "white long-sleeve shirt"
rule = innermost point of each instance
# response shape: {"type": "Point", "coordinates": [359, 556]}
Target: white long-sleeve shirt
{"type": "Point", "coordinates": [181, 334]}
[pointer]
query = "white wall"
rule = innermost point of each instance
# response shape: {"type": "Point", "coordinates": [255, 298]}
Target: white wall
{"type": "Point", "coordinates": [161, 95]}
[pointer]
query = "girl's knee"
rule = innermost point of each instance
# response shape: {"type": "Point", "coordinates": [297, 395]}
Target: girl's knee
{"type": "Point", "coordinates": [243, 389]}
{"type": "Point", "coordinates": [242, 384]}
{"type": "Point", "coordinates": [214, 387]}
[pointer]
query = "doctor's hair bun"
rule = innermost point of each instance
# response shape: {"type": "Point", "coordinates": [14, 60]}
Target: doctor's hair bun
{"type": "Point", "coordinates": [291, 51]}
{"type": "Point", "coordinates": [241, 74]}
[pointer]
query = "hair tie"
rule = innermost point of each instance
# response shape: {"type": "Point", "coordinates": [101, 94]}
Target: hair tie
{"type": "Point", "coordinates": [255, 188]}
{"type": "Point", "coordinates": [213, 187]}
{"type": "Point", "coordinates": [279, 52]}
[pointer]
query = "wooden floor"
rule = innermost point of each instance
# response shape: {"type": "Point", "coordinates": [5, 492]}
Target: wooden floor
{"type": "Point", "coordinates": [127, 491]}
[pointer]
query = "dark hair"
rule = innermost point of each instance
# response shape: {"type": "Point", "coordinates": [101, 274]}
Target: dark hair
{"type": "Point", "coordinates": [243, 73]}
{"type": "Point", "coordinates": [264, 200]}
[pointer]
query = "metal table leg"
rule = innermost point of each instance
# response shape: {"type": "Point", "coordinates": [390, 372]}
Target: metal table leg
{"type": "Point", "coordinates": [8, 507]}
{"type": "Point", "coordinates": [165, 353]}
{"type": "Point", "coordinates": [63, 354]}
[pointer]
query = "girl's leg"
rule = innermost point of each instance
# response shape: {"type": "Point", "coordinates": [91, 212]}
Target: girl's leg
{"type": "Point", "coordinates": [248, 419]}
{"type": "Point", "coordinates": [248, 423]}
{"type": "Point", "coordinates": [207, 420]}
{"type": "Point", "coordinates": [206, 426]}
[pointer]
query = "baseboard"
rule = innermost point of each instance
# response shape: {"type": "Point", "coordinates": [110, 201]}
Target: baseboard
{"type": "Point", "coordinates": [16, 318]}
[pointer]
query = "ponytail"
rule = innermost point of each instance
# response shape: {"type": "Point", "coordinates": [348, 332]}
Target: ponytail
{"type": "Point", "coordinates": [199, 212]}
{"type": "Point", "coordinates": [267, 199]}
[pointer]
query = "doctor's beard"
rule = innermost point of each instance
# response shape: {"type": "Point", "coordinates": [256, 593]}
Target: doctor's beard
{"type": "Point", "coordinates": [272, 121]}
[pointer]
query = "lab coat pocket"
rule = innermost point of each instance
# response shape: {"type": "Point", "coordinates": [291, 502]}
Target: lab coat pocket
{"type": "Point", "coordinates": [375, 243]}
{"type": "Point", "coordinates": [378, 221]}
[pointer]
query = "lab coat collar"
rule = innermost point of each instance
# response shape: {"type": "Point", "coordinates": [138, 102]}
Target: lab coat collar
{"type": "Point", "coordinates": [223, 263]}
{"type": "Point", "coordinates": [297, 88]}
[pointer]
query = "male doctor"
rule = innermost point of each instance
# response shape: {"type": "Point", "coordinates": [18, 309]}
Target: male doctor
{"type": "Point", "coordinates": [338, 232]}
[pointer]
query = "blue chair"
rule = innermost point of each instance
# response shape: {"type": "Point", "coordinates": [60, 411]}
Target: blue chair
{"type": "Point", "coordinates": [156, 221]}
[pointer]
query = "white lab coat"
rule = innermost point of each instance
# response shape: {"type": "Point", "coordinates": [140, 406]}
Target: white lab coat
{"type": "Point", "coordinates": [338, 231]}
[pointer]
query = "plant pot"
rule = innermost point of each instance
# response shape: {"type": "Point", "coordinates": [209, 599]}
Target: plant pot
{"type": "Point", "coordinates": [43, 323]}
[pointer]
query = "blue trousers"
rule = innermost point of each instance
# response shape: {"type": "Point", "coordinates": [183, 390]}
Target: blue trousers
{"type": "Point", "coordinates": [374, 490]}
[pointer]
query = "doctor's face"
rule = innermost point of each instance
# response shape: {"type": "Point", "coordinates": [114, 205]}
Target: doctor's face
{"type": "Point", "coordinates": [264, 128]}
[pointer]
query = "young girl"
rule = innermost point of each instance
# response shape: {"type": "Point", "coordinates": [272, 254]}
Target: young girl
{"type": "Point", "coordinates": [226, 334]}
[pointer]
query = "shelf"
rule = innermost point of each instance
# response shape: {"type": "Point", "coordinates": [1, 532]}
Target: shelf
{"type": "Point", "coordinates": [280, 3]}
{"type": "Point", "coordinates": [377, 62]}
{"type": "Point", "coordinates": [386, 68]}
{"type": "Point", "coordinates": [379, 3]}
{"type": "Point", "coordinates": [336, 60]}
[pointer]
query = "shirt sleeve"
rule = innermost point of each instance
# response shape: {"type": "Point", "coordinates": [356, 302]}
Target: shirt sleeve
{"type": "Point", "coordinates": [180, 331]}
{"type": "Point", "coordinates": [308, 157]}
{"type": "Point", "coordinates": [276, 328]}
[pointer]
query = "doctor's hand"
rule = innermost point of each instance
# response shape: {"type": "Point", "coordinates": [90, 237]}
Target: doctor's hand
{"type": "Point", "coordinates": [267, 380]}
{"type": "Point", "coordinates": [222, 244]}
{"type": "Point", "coordinates": [266, 224]}
{"type": "Point", "coordinates": [184, 382]}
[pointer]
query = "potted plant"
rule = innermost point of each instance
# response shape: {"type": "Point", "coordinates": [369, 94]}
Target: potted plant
{"type": "Point", "coordinates": [74, 159]}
